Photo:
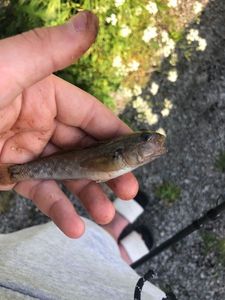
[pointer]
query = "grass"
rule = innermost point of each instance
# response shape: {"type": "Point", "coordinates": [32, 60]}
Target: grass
{"type": "Point", "coordinates": [168, 192]}
{"type": "Point", "coordinates": [220, 162]}
{"type": "Point", "coordinates": [212, 243]}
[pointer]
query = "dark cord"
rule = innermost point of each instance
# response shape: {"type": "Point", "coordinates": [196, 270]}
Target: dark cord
{"type": "Point", "coordinates": [210, 215]}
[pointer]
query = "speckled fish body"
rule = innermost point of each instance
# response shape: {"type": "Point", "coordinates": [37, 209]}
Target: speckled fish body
{"type": "Point", "coordinates": [100, 162]}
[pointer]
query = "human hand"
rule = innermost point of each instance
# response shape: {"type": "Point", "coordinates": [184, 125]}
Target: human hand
{"type": "Point", "coordinates": [41, 113]}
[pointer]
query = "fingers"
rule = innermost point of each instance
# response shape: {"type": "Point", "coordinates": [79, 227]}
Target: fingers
{"type": "Point", "coordinates": [80, 109]}
{"type": "Point", "coordinates": [31, 56]}
{"type": "Point", "coordinates": [24, 146]}
{"type": "Point", "coordinates": [94, 200]}
{"type": "Point", "coordinates": [68, 137]}
{"type": "Point", "coordinates": [49, 198]}
{"type": "Point", "coordinates": [125, 187]}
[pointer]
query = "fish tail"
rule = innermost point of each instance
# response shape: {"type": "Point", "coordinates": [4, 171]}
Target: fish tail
{"type": "Point", "coordinates": [5, 174]}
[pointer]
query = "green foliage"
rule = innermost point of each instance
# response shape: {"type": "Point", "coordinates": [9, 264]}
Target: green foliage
{"type": "Point", "coordinates": [220, 161]}
{"type": "Point", "coordinates": [177, 35]}
{"type": "Point", "coordinates": [168, 192]}
{"type": "Point", "coordinates": [212, 243]}
{"type": "Point", "coordinates": [97, 72]}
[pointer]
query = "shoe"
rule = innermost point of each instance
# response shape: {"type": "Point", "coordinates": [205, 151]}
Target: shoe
{"type": "Point", "coordinates": [136, 239]}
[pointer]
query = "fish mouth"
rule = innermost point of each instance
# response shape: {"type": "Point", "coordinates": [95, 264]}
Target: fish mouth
{"type": "Point", "coordinates": [155, 152]}
{"type": "Point", "coordinates": [154, 147]}
{"type": "Point", "coordinates": [161, 152]}
{"type": "Point", "coordinates": [160, 141]}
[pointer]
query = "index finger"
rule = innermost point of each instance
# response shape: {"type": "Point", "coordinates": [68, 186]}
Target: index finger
{"type": "Point", "coordinates": [80, 109]}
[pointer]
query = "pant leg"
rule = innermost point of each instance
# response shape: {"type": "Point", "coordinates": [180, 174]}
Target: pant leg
{"type": "Point", "coordinates": [41, 262]}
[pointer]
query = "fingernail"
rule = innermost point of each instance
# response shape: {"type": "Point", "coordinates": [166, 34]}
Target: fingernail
{"type": "Point", "coordinates": [80, 21]}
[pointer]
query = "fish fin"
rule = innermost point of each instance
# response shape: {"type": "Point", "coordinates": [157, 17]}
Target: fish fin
{"type": "Point", "coordinates": [5, 175]}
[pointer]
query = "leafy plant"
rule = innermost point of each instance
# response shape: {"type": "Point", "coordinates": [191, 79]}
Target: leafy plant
{"type": "Point", "coordinates": [168, 192]}
{"type": "Point", "coordinates": [213, 243]}
{"type": "Point", "coordinates": [220, 161]}
{"type": "Point", "coordinates": [128, 46]}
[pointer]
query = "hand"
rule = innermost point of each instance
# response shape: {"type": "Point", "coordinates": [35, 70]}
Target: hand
{"type": "Point", "coordinates": [40, 113]}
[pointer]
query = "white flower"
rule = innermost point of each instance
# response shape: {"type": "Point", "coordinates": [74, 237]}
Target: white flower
{"type": "Point", "coordinates": [119, 2]}
{"type": "Point", "coordinates": [140, 105]}
{"type": "Point", "coordinates": [166, 51]}
{"type": "Point", "coordinates": [167, 107]}
{"type": "Point", "coordinates": [202, 44]}
{"type": "Point", "coordinates": [165, 112]}
{"type": "Point", "coordinates": [108, 20]}
{"type": "Point", "coordinates": [161, 131]}
{"type": "Point", "coordinates": [112, 19]}
{"type": "Point", "coordinates": [137, 90]}
{"type": "Point", "coordinates": [174, 59]}
{"type": "Point", "coordinates": [152, 8]}
{"type": "Point", "coordinates": [144, 112]}
{"type": "Point", "coordinates": [137, 102]}
{"type": "Point", "coordinates": [193, 35]}
{"type": "Point", "coordinates": [117, 62]}
{"type": "Point", "coordinates": [169, 43]}
{"type": "Point", "coordinates": [172, 75]}
{"type": "Point", "coordinates": [165, 36]}
{"type": "Point", "coordinates": [168, 104]}
{"type": "Point", "coordinates": [169, 47]}
{"type": "Point", "coordinates": [172, 3]}
{"type": "Point", "coordinates": [149, 33]}
{"type": "Point", "coordinates": [151, 117]}
{"type": "Point", "coordinates": [133, 65]}
{"type": "Point", "coordinates": [126, 92]}
{"type": "Point", "coordinates": [123, 71]}
{"type": "Point", "coordinates": [125, 31]}
{"type": "Point", "coordinates": [154, 88]}
{"type": "Point", "coordinates": [197, 7]}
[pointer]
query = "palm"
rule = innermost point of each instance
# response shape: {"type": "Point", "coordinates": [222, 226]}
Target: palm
{"type": "Point", "coordinates": [30, 123]}
{"type": "Point", "coordinates": [40, 112]}
{"type": "Point", "coordinates": [41, 120]}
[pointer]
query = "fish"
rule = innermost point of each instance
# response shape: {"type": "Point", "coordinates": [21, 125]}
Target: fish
{"type": "Point", "coordinates": [99, 162]}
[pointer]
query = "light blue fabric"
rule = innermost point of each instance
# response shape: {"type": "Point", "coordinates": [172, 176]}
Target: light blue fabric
{"type": "Point", "coordinates": [42, 263]}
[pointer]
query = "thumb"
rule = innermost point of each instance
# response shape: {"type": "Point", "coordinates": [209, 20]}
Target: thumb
{"type": "Point", "coordinates": [29, 57]}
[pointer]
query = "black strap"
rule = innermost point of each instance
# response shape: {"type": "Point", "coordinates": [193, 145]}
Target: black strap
{"type": "Point", "coordinates": [138, 288]}
{"type": "Point", "coordinates": [139, 285]}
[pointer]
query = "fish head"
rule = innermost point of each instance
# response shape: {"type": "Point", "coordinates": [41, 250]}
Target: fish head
{"type": "Point", "coordinates": [143, 147]}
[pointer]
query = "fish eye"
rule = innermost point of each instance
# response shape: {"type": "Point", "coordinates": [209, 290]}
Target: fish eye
{"type": "Point", "coordinates": [146, 136]}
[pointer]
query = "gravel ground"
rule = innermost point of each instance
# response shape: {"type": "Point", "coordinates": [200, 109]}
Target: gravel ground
{"type": "Point", "coordinates": [195, 133]}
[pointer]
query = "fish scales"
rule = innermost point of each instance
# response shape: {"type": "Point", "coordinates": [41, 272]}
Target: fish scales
{"type": "Point", "coordinates": [100, 162]}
